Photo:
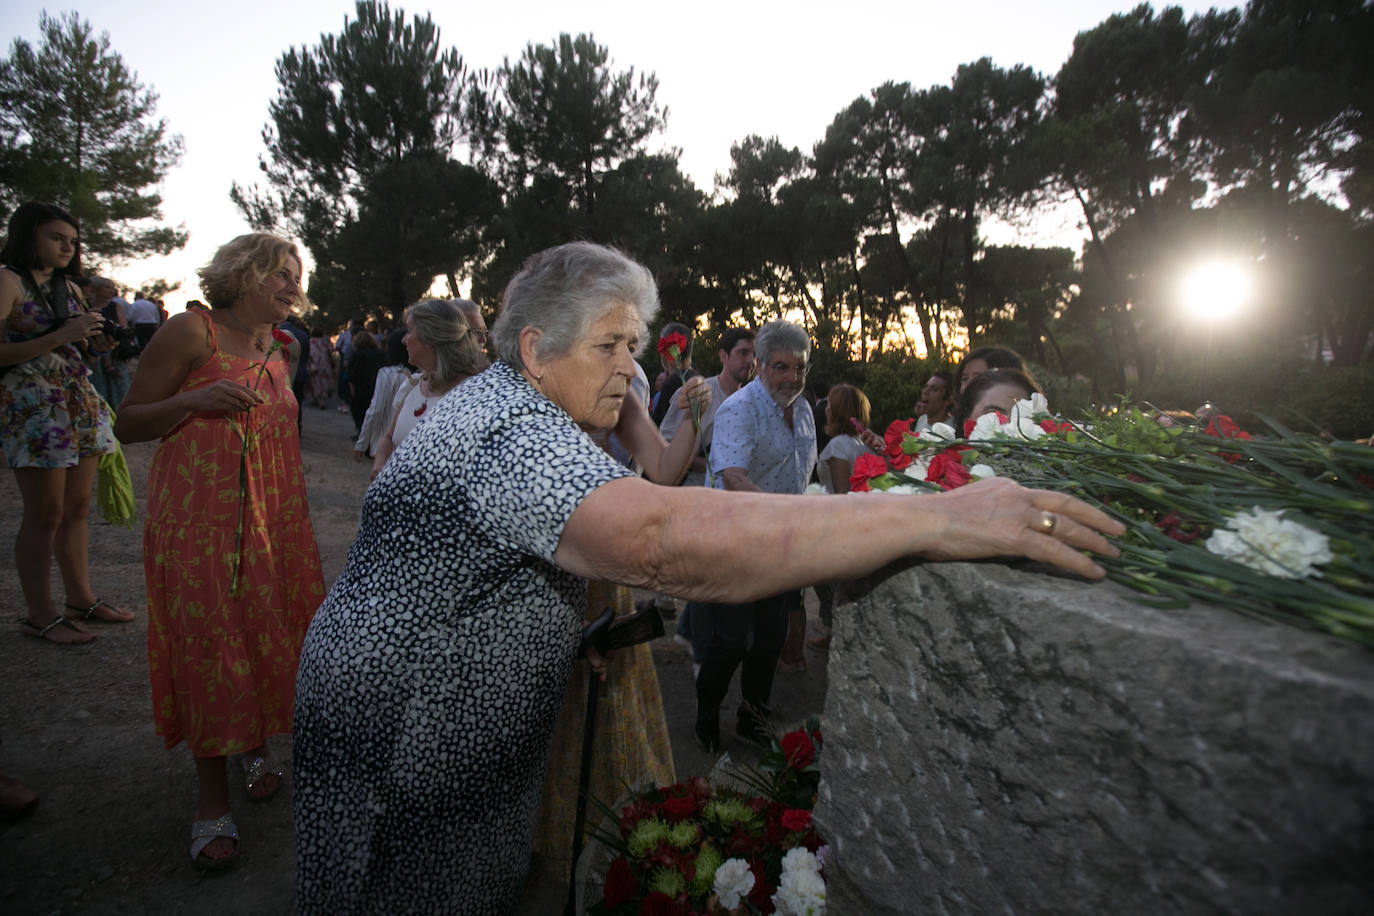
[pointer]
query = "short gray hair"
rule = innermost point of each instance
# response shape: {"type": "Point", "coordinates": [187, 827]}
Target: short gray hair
{"type": "Point", "coordinates": [468, 306]}
{"type": "Point", "coordinates": [780, 337]}
{"type": "Point", "coordinates": [440, 325]}
{"type": "Point", "coordinates": [562, 291]}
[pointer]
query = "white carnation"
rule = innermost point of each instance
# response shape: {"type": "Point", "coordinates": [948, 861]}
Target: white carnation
{"type": "Point", "coordinates": [938, 432]}
{"type": "Point", "coordinates": [814, 489]}
{"type": "Point", "coordinates": [981, 471]}
{"type": "Point", "coordinates": [917, 469]}
{"type": "Point", "coordinates": [1022, 424]}
{"type": "Point", "coordinates": [801, 890]}
{"type": "Point", "coordinates": [1267, 542]}
{"type": "Point", "coordinates": [985, 427]}
{"type": "Point", "coordinates": [734, 881]}
{"type": "Point", "coordinates": [1038, 404]}
{"type": "Point", "coordinates": [902, 489]}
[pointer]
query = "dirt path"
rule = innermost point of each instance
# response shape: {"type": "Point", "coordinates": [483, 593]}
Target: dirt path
{"type": "Point", "coordinates": [111, 832]}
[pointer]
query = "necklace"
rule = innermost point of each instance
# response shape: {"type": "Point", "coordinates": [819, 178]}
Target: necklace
{"type": "Point", "coordinates": [258, 343]}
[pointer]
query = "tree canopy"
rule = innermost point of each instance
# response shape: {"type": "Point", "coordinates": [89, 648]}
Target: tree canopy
{"type": "Point", "coordinates": [79, 130]}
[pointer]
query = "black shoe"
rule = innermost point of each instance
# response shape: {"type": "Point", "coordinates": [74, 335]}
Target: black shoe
{"type": "Point", "coordinates": [707, 739]}
{"type": "Point", "coordinates": [754, 730]}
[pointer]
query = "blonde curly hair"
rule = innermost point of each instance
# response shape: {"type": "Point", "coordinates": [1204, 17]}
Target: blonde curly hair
{"type": "Point", "coordinates": [242, 265]}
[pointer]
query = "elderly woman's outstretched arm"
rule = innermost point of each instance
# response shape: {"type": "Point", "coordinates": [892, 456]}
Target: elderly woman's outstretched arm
{"type": "Point", "coordinates": [709, 545]}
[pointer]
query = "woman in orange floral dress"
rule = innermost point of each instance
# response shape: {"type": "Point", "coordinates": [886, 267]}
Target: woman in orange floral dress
{"type": "Point", "coordinates": [229, 556]}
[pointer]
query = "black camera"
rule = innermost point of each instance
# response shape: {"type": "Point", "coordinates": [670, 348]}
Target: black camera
{"type": "Point", "coordinates": [115, 332]}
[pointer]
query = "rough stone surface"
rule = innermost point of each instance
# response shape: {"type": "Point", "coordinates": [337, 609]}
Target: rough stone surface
{"type": "Point", "coordinates": [1005, 741]}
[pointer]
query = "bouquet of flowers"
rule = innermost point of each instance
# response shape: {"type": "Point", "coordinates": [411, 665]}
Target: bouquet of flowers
{"type": "Point", "coordinates": [1278, 524]}
{"type": "Point", "coordinates": [694, 848]}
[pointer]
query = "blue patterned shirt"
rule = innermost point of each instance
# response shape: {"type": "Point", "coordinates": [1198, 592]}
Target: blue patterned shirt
{"type": "Point", "coordinates": [750, 433]}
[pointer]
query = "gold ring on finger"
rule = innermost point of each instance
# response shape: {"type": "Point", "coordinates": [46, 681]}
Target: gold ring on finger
{"type": "Point", "coordinates": [1048, 522]}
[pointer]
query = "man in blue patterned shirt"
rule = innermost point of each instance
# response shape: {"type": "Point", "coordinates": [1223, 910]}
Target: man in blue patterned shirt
{"type": "Point", "coordinates": [764, 439]}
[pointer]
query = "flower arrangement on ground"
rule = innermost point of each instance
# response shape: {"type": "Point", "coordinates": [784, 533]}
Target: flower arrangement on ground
{"type": "Point", "coordinates": [1278, 524]}
{"type": "Point", "coordinates": [693, 848]}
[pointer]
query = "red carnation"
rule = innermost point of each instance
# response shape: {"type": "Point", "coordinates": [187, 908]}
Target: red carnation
{"type": "Point", "coordinates": [798, 750]}
{"type": "Point", "coordinates": [659, 904]}
{"type": "Point", "coordinates": [1052, 427]}
{"type": "Point", "coordinates": [283, 337]}
{"type": "Point", "coordinates": [897, 431]}
{"type": "Point", "coordinates": [621, 885]}
{"type": "Point", "coordinates": [866, 467]}
{"type": "Point", "coordinates": [797, 819]}
{"type": "Point", "coordinates": [947, 470]}
{"type": "Point", "coordinates": [672, 345]}
{"type": "Point", "coordinates": [675, 809]}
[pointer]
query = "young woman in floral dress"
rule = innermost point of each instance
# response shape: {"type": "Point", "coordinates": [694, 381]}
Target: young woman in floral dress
{"type": "Point", "coordinates": [53, 425]}
{"type": "Point", "coordinates": [229, 556]}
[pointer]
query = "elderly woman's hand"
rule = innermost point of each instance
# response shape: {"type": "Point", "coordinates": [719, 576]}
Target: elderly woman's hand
{"type": "Point", "coordinates": [997, 517]}
{"type": "Point", "coordinates": [694, 391]}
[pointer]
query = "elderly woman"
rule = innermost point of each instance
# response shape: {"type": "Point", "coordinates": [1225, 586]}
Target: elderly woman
{"type": "Point", "coordinates": [440, 343]}
{"type": "Point", "coordinates": [432, 675]}
{"type": "Point", "coordinates": [229, 556]}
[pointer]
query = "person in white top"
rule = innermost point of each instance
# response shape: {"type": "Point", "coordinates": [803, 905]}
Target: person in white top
{"type": "Point", "coordinates": [439, 343]}
{"type": "Point", "coordinates": [936, 401]}
{"type": "Point", "coordinates": [847, 414]}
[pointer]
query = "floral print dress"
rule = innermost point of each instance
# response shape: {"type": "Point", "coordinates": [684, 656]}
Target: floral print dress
{"type": "Point", "coordinates": [223, 660]}
{"type": "Point", "coordinates": [50, 414]}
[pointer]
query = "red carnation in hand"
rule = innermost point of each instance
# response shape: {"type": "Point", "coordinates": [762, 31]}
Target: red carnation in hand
{"type": "Point", "coordinates": [798, 750]}
{"type": "Point", "coordinates": [947, 470]}
{"type": "Point", "coordinates": [621, 885]}
{"type": "Point", "coordinates": [866, 467]}
{"type": "Point", "coordinates": [672, 345]}
{"type": "Point", "coordinates": [283, 337]}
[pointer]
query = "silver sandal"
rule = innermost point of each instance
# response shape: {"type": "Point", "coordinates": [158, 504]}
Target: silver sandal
{"type": "Point", "coordinates": [257, 768]}
{"type": "Point", "coordinates": [203, 833]}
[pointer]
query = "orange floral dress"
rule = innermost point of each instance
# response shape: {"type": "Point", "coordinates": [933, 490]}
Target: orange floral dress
{"type": "Point", "coordinates": [223, 666]}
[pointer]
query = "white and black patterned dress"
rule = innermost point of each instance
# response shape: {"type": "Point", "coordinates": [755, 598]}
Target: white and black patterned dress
{"type": "Point", "coordinates": [433, 673]}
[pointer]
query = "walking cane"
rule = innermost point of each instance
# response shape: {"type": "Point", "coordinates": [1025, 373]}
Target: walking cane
{"type": "Point", "coordinates": [605, 634]}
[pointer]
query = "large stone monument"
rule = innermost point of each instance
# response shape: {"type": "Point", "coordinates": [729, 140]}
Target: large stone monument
{"type": "Point", "coordinates": [1005, 741]}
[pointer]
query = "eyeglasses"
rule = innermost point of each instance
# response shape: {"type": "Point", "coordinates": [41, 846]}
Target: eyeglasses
{"type": "Point", "coordinates": [785, 369]}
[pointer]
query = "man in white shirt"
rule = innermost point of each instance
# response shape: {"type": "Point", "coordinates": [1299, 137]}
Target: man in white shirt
{"type": "Point", "coordinates": [764, 439]}
{"type": "Point", "coordinates": [145, 315]}
{"type": "Point", "coordinates": [736, 352]}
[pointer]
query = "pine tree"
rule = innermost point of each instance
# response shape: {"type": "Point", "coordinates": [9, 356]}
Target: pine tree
{"type": "Point", "coordinates": [79, 130]}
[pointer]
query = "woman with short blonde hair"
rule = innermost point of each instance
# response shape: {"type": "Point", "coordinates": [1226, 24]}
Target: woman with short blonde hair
{"type": "Point", "coordinates": [230, 563]}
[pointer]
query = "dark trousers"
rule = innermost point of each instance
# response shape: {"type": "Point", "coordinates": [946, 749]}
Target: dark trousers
{"type": "Point", "coordinates": [745, 636]}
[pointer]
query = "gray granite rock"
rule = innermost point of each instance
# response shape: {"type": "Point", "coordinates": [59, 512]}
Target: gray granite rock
{"type": "Point", "coordinates": [1004, 741]}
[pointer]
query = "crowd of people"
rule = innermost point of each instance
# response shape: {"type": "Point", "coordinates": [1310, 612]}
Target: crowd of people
{"type": "Point", "coordinates": [521, 486]}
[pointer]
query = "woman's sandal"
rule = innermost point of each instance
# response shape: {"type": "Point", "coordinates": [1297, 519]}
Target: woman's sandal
{"type": "Point", "coordinates": [203, 833]}
{"type": "Point", "coordinates": [38, 632]}
{"type": "Point", "coordinates": [255, 770]}
{"type": "Point", "coordinates": [88, 613]}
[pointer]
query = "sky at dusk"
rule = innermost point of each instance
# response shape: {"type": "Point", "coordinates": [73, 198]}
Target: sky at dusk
{"type": "Point", "coordinates": [725, 70]}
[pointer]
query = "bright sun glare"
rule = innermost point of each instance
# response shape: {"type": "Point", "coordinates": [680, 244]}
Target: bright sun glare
{"type": "Point", "coordinates": [1215, 289]}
